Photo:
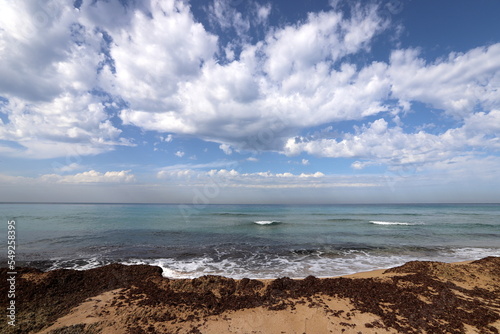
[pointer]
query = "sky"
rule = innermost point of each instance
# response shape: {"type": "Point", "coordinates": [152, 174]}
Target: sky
{"type": "Point", "coordinates": [250, 101]}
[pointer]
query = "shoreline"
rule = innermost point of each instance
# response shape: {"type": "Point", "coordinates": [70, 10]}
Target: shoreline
{"type": "Point", "coordinates": [294, 268]}
{"type": "Point", "coordinates": [419, 296]}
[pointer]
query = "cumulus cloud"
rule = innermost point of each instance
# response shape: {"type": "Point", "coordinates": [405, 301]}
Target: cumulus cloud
{"type": "Point", "coordinates": [225, 178]}
{"type": "Point", "coordinates": [67, 125]}
{"type": "Point", "coordinates": [456, 84]}
{"type": "Point", "coordinates": [232, 173]}
{"type": "Point", "coordinates": [168, 47]}
{"type": "Point", "coordinates": [45, 77]}
{"type": "Point", "coordinates": [68, 82]}
{"type": "Point", "coordinates": [91, 176]}
{"type": "Point", "coordinates": [379, 143]}
{"type": "Point", "coordinates": [226, 149]}
{"type": "Point", "coordinates": [167, 139]}
{"type": "Point", "coordinates": [274, 87]}
{"type": "Point", "coordinates": [297, 77]}
{"type": "Point", "coordinates": [43, 58]}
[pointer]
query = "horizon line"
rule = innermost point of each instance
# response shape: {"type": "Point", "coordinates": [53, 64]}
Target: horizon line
{"type": "Point", "coordinates": [209, 204]}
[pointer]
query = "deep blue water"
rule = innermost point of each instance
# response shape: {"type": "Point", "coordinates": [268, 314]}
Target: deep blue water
{"type": "Point", "coordinates": [255, 241]}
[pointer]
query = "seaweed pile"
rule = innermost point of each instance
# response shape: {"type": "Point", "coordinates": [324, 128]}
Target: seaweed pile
{"type": "Point", "coordinates": [417, 297]}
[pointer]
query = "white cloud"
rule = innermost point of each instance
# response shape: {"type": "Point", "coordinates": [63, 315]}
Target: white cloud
{"type": "Point", "coordinates": [378, 143]}
{"type": "Point", "coordinates": [67, 125]}
{"type": "Point", "coordinates": [224, 173]}
{"type": "Point", "coordinates": [68, 168]}
{"type": "Point", "coordinates": [263, 12]}
{"type": "Point", "coordinates": [173, 83]}
{"type": "Point", "coordinates": [91, 176]}
{"type": "Point", "coordinates": [224, 178]}
{"type": "Point", "coordinates": [180, 154]}
{"type": "Point", "coordinates": [224, 15]}
{"type": "Point", "coordinates": [183, 173]}
{"type": "Point", "coordinates": [216, 164]}
{"type": "Point", "coordinates": [305, 162]}
{"type": "Point", "coordinates": [275, 86]}
{"type": "Point", "coordinates": [315, 175]}
{"type": "Point", "coordinates": [299, 75]}
{"type": "Point", "coordinates": [455, 84]}
{"type": "Point", "coordinates": [324, 37]}
{"type": "Point", "coordinates": [232, 173]}
{"type": "Point", "coordinates": [168, 47]}
{"type": "Point", "coordinates": [167, 139]}
{"type": "Point", "coordinates": [288, 82]}
{"type": "Point", "coordinates": [46, 76]}
{"type": "Point", "coordinates": [226, 149]}
{"type": "Point", "coordinates": [44, 59]}
{"type": "Point", "coordinates": [359, 165]}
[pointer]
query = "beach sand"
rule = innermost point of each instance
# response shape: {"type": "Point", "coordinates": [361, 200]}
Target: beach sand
{"type": "Point", "coordinates": [418, 297]}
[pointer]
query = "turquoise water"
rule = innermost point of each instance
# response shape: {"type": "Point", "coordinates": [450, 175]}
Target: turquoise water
{"type": "Point", "coordinates": [254, 241]}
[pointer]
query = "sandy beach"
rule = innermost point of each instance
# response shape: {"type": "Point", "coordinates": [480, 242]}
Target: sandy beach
{"type": "Point", "coordinates": [418, 297]}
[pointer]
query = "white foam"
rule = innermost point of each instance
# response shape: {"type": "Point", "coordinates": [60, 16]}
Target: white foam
{"type": "Point", "coordinates": [468, 253]}
{"type": "Point", "coordinates": [77, 264]}
{"type": "Point", "coordinates": [392, 223]}
{"type": "Point", "coordinates": [268, 266]}
{"type": "Point", "coordinates": [266, 222]}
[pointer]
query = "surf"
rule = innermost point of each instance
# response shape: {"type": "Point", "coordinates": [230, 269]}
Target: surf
{"type": "Point", "coordinates": [392, 223]}
{"type": "Point", "coordinates": [267, 222]}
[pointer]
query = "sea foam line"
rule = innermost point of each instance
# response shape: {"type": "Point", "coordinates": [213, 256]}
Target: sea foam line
{"type": "Point", "coordinates": [273, 266]}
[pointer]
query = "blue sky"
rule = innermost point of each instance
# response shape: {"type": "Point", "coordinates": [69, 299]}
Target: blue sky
{"type": "Point", "coordinates": [240, 101]}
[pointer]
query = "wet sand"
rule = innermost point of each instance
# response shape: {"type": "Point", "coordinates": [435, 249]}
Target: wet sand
{"type": "Point", "coordinates": [418, 297]}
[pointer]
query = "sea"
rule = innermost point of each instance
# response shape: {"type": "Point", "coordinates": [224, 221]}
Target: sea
{"type": "Point", "coordinates": [254, 241]}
